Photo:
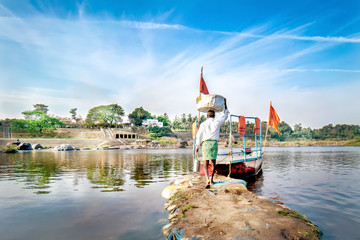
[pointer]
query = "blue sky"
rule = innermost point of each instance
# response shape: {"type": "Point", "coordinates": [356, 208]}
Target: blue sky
{"type": "Point", "coordinates": [301, 55]}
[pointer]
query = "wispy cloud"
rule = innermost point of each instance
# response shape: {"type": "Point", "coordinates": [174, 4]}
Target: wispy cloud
{"type": "Point", "coordinates": [151, 25]}
{"type": "Point", "coordinates": [317, 70]}
{"type": "Point", "coordinates": [86, 62]}
{"type": "Point", "coordinates": [337, 39]}
{"type": "Point", "coordinates": [318, 38]}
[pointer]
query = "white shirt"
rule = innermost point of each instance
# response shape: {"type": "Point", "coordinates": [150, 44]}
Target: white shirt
{"type": "Point", "coordinates": [210, 129]}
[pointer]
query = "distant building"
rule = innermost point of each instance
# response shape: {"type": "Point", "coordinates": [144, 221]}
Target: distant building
{"type": "Point", "coordinates": [152, 122]}
{"type": "Point", "coordinates": [118, 134]}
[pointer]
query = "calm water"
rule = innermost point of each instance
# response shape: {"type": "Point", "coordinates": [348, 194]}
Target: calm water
{"type": "Point", "coordinates": [117, 194]}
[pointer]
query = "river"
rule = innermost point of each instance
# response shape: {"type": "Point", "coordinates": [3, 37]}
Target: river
{"type": "Point", "coordinates": [116, 194]}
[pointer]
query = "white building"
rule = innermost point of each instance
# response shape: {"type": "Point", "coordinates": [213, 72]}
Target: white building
{"type": "Point", "coordinates": [152, 122]}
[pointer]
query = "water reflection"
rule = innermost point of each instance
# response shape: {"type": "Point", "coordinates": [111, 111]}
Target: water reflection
{"type": "Point", "coordinates": [105, 170]}
{"type": "Point", "coordinates": [35, 174]}
{"type": "Point", "coordinates": [320, 182]}
{"type": "Point", "coordinates": [255, 183]}
{"type": "Point", "coordinates": [90, 194]}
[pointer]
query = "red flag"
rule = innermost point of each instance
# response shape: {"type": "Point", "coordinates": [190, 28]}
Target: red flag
{"type": "Point", "coordinates": [242, 125]}
{"type": "Point", "coordinates": [203, 88]}
{"type": "Point", "coordinates": [257, 128]}
{"type": "Point", "coordinates": [274, 119]}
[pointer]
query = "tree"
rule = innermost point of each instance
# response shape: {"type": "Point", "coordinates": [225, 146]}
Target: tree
{"type": "Point", "coordinates": [307, 133]}
{"type": "Point", "coordinates": [38, 122]}
{"type": "Point", "coordinates": [39, 107]}
{"type": "Point", "coordinates": [284, 128]}
{"type": "Point", "coordinates": [250, 127]}
{"type": "Point", "coordinates": [202, 118]}
{"type": "Point", "coordinates": [104, 116]}
{"type": "Point", "coordinates": [36, 113]}
{"type": "Point", "coordinates": [183, 119]}
{"type": "Point", "coordinates": [297, 131]}
{"type": "Point", "coordinates": [166, 121]}
{"type": "Point", "coordinates": [32, 114]}
{"type": "Point", "coordinates": [225, 128]}
{"type": "Point", "coordinates": [324, 132]}
{"type": "Point", "coordinates": [157, 132]}
{"type": "Point", "coordinates": [190, 119]}
{"type": "Point", "coordinates": [138, 116]}
{"type": "Point", "coordinates": [176, 123]}
{"type": "Point", "coordinates": [73, 114]}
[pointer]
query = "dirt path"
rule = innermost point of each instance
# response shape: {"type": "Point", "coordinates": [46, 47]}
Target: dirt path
{"type": "Point", "coordinates": [228, 211]}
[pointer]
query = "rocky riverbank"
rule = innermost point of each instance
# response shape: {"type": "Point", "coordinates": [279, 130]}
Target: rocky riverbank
{"type": "Point", "coordinates": [228, 211]}
{"type": "Point", "coordinates": [12, 145]}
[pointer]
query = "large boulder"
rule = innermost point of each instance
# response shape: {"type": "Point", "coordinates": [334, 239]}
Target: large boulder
{"type": "Point", "coordinates": [182, 144]}
{"type": "Point", "coordinates": [38, 146]}
{"type": "Point", "coordinates": [25, 146]}
{"type": "Point", "coordinates": [63, 147]}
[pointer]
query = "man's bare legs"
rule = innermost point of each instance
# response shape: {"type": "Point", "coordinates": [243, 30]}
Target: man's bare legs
{"type": "Point", "coordinates": [213, 163]}
{"type": "Point", "coordinates": [209, 180]}
{"type": "Point", "coordinates": [206, 171]}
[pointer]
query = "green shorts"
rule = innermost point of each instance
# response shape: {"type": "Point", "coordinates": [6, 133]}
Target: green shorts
{"type": "Point", "coordinates": [209, 149]}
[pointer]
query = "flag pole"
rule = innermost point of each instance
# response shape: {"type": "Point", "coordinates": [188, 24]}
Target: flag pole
{"type": "Point", "coordinates": [196, 160]}
{"type": "Point", "coordinates": [198, 119]}
{"type": "Point", "coordinates": [199, 97]}
{"type": "Point", "coordinates": [267, 129]}
{"type": "Point", "coordinates": [200, 93]}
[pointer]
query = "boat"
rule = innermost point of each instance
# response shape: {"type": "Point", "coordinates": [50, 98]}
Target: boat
{"type": "Point", "coordinates": [239, 162]}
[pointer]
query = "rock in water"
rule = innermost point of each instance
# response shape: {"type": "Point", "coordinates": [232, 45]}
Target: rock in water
{"type": "Point", "coordinates": [25, 146]}
{"type": "Point", "coordinates": [64, 147]}
{"type": "Point", "coordinates": [38, 146]}
{"type": "Point", "coordinates": [182, 144]}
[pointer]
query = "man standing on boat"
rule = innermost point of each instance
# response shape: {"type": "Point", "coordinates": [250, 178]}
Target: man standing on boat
{"type": "Point", "coordinates": [208, 136]}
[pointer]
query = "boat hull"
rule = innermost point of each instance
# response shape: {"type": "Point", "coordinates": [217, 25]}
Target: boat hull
{"type": "Point", "coordinates": [238, 169]}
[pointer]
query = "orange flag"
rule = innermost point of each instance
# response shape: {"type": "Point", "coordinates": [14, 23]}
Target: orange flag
{"type": "Point", "coordinates": [257, 128]}
{"type": "Point", "coordinates": [242, 125]}
{"type": "Point", "coordinates": [203, 87]}
{"type": "Point", "coordinates": [274, 119]}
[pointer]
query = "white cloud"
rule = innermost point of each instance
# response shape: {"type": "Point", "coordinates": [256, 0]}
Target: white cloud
{"type": "Point", "coordinates": [83, 63]}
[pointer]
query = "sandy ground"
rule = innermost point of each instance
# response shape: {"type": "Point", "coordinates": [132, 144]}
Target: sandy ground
{"type": "Point", "coordinates": [229, 211]}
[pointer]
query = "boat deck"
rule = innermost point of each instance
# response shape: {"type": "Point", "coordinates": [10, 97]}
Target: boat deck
{"type": "Point", "coordinates": [238, 157]}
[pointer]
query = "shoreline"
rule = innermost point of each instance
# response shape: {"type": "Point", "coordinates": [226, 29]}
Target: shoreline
{"type": "Point", "coordinates": [94, 142]}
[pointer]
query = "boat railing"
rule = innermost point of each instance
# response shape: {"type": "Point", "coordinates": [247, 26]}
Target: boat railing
{"type": "Point", "coordinates": [247, 156]}
{"type": "Point", "coordinates": [256, 135]}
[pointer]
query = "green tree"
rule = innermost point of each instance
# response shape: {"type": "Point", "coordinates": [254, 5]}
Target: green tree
{"type": "Point", "coordinates": [324, 132]}
{"type": "Point", "coordinates": [250, 127]}
{"type": "Point", "coordinates": [224, 128]}
{"type": "Point", "coordinates": [32, 114]}
{"type": "Point", "coordinates": [157, 132]}
{"type": "Point", "coordinates": [307, 133]}
{"type": "Point", "coordinates": [297, 131]}
{"type": "Point", "coordinates": [285, 130]}
{"type": "Point", "coordinates": [39, 107]}
{"type": "Point", "coordinates": [18, 124]}
{"type": "Point", "coordinates": [165, 120]}
{"type": "Point", "coordinates": [190, 119]}
{"type": "Point", "coordinates": [73, 113]}
{"type": "Point", "coordinates": [138, 116]}
{"type": "Point", "coordinates": [202, 118]}
{"type": "Point", "coordinates": [104, 116]}
{"type": "Point", "coordinates": [176, 123]}
{"type": "Point", "coordinates": [38, 122]}
{"type": "Point", "coordinates": [183, 119]}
